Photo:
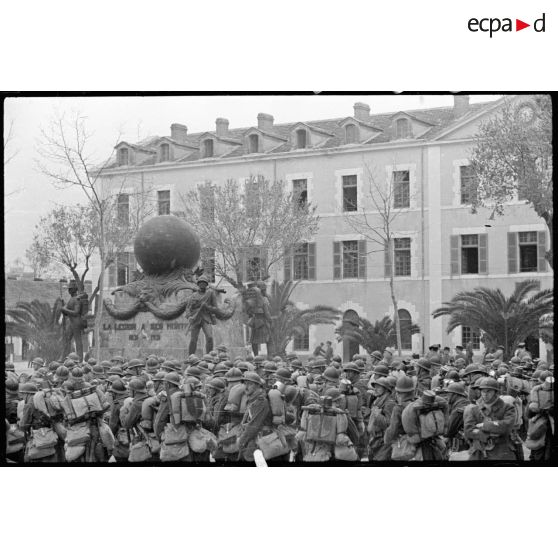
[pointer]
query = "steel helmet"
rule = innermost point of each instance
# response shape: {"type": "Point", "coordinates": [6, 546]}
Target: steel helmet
{"type": "Point", "coordinates": [270, 366]}
{"type": "Point", "coordinates": [167, 365]}
{"type": "Point", "coordinates": [203, 365]}
{"type": "Point", "coordinates": [472, 369]}
{"type": "Point", "coordinates": [92, 361]}
{"type": "Point", "coordinates": [337, 358]}
{"type": "Point", "coordinates": [172, 378]}
{"type": "Point", "coordinates": [489, 383]}
{"type": "Point", "coordinates": [452, 375]}
{"type": "Point", "coordinates": [254, 378]}
{"type": "Point", "coordinates": [106, 364]}
{"type": "Point", "coordinates": [383, 382]}
{"type": "Point", "coordinates": [115, 371]}
{"type": "Point", "coordinates": [319, 363]}
{"type": "Point", "coordinates": [424, 363]}
{"type": "Point", "coordinates": [208, 358]}
{"type": "Point", "coordinates": [377, 355]}
{"type": "Point", "coordinates": [194, 371]}
{"type": "Point", "coordinates": [135, 363]}
{"type": "Point", "coordinates": [160, 376]}
{"type": "Point", "coordinates": [381, 370]}
{"type": "Point", "coordinates": [69, 363]}
{"type": "Point", "coordinates": [331, 374]}
{"type": "Point", "coordinates": [137, 385]}
{"type": "Point", "coordinates": [53, 366]}
{"type": "Point", "coordinates": [77, 372]}
{"type": "Point", "coordinates": [118, 358]}
{"type": "Point", "coordinates": [152, 364]}
{"type": "Point", "coordinates": [404, 384]}
{"type": "Point", "coordinates": [98, 370]}
{"type": "Point", "coordinates": [118, 387]}
{"type": "Point", "coordinates": [217, 384]}
{"type": "Point", "coordinates": [283, 374]}
{"type": "Point", "coordinates": [233, 375]}
{"type": "Point", "coordinates": [193, 383]}
{"type": "Point", "coordinates": [28, 388]}
{"type": "Point", "coordinates": [112, 379]}
{"type": "Point", "coordinates": [351, 367]}
{"type": "Point", "coordinates": [457, 388]}
{"type": "Point", "coordinates": [243, 366]}
{"type": "Point", "coordinates": [62, 372]}
{"type": "Point", "coordinates": [74, 357]}
{"type": "Point", "coordinates": [11, 385]}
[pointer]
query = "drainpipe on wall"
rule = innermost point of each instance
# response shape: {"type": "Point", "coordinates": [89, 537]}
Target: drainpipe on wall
{"type": "Point", "coordinates": [422, 179]}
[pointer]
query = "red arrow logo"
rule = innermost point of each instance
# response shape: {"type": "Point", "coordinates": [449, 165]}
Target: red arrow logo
{"type": "Point", "coordinates": [519, 25]}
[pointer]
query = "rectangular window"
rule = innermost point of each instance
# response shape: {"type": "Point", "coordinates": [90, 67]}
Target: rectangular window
{"type": "Point", "coordinates": [527, 251]}
{"type": "Point", "coordinates": [123, 209]}
{"type": "Point", "coordinates": [165, 152]}
{"type": "Point", "coordinates": [300, 191]}
{"type": "Point", "coordinates": [469, 336]}
{"type": "Point", "coordinates": [124, 269]}
{"type": "Point", "coordinates": [254, 263]}
{"type": "Point", "coordinates": [208, 263]}
{"type": "Point", "coordinates": [301, 341]}
{"type": "Point", "coordinates": [300, 262]}
{"type": "Point", "coordinates": [468, 184]}
{"type": "Point", "coordinates": [350, 193]}
{"type": "Point", "coordinates": [469, 253]}
{"type": "Point", "coordinates": [401, 193]}
{"type": "Point", "coordinates": [163, 202]}
{"type": "Point", "coordinates": [350, 259]}
{"type": "Point", "coordinates": [123, 158]}
{"type": "Point", "coordinates": [402, 256]}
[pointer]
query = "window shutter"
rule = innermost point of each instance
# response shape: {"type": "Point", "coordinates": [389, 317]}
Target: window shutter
{"type": "Point", "coordinates": [483, 253]}
{"type": "Point", "coordinates": [287, 264]}
{"type": "Point", "coordinates": [337, 260]}
{"type": "Point", "coordinates": [312, 261]}
{"type": "Point", "coordinates": [362, 259]}
{"type": "Point", "coordinates": [541, 250]}
{"type": "Point", "coordinates": [112, 275]}
{"type": "Point", "coordinates": [512, 252]}
{"type": "Point", "coordinates": [454, 254]}
{"type": "Point", "coordinates": [387, 266]}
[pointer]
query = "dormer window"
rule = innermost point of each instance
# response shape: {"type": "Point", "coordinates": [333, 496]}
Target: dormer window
{"type": "Point", "coordinates": [402, 128]}
{"type": "Point", "coordinates": [301, 139]}
{"type": "Point", "coordinates": [208, 148]}
{"type": "Point", "coordinates": [123, 157]}
{"type": "Point", "coordinates": [165, 152]}
{"type": "Point", "coordinates": [253, 143]}
{"type": "Point", "coordinates": [351, 133]}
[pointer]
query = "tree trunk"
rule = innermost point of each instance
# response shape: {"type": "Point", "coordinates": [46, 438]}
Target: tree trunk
{"type": "Point", "coordinates": [99, 309]}
{"type": "Point", "coordinates": [548, 254]}
{"type": "Point", "coordinates": [395, 308]}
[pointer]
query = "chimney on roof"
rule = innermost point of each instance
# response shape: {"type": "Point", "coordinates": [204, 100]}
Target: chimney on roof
{"type": "Point", "coordinates": [179, 132]}
{"type": "Point", "coordinates": [362, 111]}
{"type": "Point", "coordinates": [222, 126]}
{"type": "Point", "coordinates": [265, 121]}
{"type": "Point", "coordinates": [460, 105]}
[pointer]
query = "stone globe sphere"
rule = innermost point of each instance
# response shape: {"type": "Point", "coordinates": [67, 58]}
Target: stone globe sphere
{"type": "Point", "coordinates": [166, 243]}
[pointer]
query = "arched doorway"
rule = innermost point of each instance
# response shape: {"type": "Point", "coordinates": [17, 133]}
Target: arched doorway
{"type": "Point", "coordinates": [350, 348]}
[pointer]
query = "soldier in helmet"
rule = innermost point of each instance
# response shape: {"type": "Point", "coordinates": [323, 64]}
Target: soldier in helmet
{"type": "Point", "coordinates": [122, 441]}
{"type": "Point", "coordinates": [381, 409]}
{"type": "Point", "coordinates": [457, 401]}
{"type": "Point", "coordinates": [489, 423]}
{"type": "Point", "coordinates": [405, 394]}
{"type": "Point", "coordinates": [15, 442]}
{"type": "Point", "coordinates": [202, 307]}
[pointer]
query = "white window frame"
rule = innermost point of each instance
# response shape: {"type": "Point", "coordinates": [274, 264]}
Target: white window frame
{"type": "Point", "coordinates": [308, 176]}
{"type": "Point", "coordinates": [173, 201]}
{"type": "Point", "coordinates": [415, 256]}
{"type": "Point", "coordinates": [413, 193]}
{"type": "Point", "coordinates": [339, 174]}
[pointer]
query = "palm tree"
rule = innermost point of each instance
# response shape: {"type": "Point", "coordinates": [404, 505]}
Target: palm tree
{"type": "Point", "coordinates": [374, 336]}
{"type": "Point", "coordinates": [38, 323]}
{"type": "Point", "coordinates": [288, 320]}
{"type": "Point", "coordinates": [502, 321]}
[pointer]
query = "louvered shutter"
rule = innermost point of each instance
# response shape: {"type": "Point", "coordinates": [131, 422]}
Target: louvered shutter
{"type": "Point", "coordinates": [541, 251]}
{"type": "Point", "coordinates": [312, 261]}
{"type": "Point", "coordinates": [287, 264]}
{"type": "Point", "coordinates": [362, 259]}
{"type": "Point", "coordinates": [337, 260]}
{"type": "Point", "coordinates": [483, 253]}
{"type": "Point", "coordinates": [388, 258]}
{"type": "Point", "coordinates": [454, 254]}
{"type": "Point", "coordinates": [512, 252]}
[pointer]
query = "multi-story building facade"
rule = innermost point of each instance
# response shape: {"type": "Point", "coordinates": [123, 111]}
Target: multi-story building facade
{"type": "Point", "coordinates": [439, 249]}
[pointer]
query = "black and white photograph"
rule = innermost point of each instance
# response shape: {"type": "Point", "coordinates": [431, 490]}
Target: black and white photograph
{"type": "Point", "coordinates": [292, 280]}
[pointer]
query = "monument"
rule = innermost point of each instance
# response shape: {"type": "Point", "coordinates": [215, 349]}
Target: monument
{"type": "Point", "coordinates": [154, 312]}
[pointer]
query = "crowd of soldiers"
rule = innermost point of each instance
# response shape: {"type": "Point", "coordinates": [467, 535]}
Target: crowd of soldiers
{"type": "Point", "coordinates": [440, 406]}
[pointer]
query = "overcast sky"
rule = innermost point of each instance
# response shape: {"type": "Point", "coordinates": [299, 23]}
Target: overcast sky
{"type": "Point", "coordinates": [134, 118]}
